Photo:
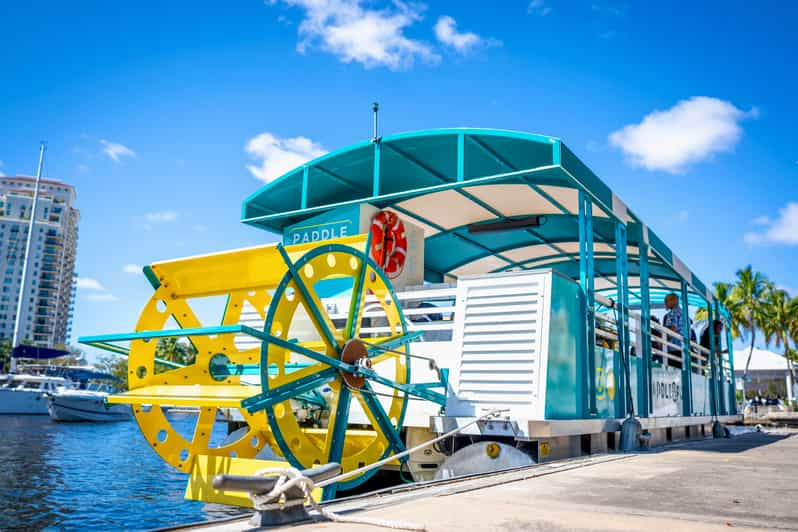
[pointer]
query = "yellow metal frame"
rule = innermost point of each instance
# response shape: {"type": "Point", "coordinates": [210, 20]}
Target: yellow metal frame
{"type": "Point", "coordinates": [244, 277]}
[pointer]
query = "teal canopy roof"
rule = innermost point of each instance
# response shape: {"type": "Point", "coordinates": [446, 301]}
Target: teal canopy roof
{"type": "Point", "coordinates": [446, 179]}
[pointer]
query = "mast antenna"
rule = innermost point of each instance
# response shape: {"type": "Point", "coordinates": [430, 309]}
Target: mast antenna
{"type": "Point", "coordinates": [376, 108]}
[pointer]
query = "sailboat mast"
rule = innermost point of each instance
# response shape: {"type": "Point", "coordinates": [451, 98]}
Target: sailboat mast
{"type": "Point", "coordinates": [25, 261]}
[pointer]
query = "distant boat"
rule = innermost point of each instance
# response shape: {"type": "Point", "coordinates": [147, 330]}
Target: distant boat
{"type": "Point", "coordinates": [26, 393]}
{"type": "Point", "coordinates": [85, 405]}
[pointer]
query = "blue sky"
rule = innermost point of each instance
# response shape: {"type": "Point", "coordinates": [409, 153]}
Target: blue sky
{"type": "Point", "coordinates": [164, 116]}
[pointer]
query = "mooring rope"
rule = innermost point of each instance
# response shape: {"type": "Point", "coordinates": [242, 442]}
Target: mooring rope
{"type": "Point", "coordinates": [290, 477]}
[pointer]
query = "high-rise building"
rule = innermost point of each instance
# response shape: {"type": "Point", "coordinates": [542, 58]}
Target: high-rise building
{"type": "Point", "coordinates": [49, 291]}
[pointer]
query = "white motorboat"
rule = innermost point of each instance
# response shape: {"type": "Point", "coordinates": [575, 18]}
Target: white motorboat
{"type": "Point", "coordinates": [25, 393]}
{"type": "Point", "coordinates": [85, 405]}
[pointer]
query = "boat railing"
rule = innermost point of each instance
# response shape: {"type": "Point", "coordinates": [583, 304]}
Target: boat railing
{"type": "Point", "coordinates": [427, 309]}
{"type": "Point", "coordinates": [666, 345]}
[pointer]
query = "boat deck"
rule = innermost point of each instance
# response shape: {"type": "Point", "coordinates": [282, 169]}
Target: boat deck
{"type": "Point", "coordinates": [745, 482]}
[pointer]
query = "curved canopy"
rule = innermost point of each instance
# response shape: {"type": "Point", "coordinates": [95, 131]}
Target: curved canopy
{"type": "Point", "coordinates": [445, 180]}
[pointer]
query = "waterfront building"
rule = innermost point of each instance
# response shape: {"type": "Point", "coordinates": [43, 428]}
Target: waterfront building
{"type": "Point", "coordinates": [768, 374]}
{"type": "Point", "coordinates": [49, 289]}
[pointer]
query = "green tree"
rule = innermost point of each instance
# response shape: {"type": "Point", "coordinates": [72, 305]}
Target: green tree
{"type": "Point", "coordinates": [116, 366]}
{"type": "Point", "coordinates": [749, 293]}
{"type": "Point", "coordinates": [5, 355]}
{"type": "Point", "coordinates": [779, 320]}
{"type": "Point", "coordinates": [724, 293]}
{"type": "Point", "coordinates": [173, 350]}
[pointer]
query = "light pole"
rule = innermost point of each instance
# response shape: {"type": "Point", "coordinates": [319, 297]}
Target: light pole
{"type": "Point", "coordinates": [31, 226]}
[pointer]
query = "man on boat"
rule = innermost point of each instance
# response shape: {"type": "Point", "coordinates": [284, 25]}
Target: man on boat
{"type": "Point", "coordinates": [718, 328]}
{"type": "Point", "coordinates": [674, 320]}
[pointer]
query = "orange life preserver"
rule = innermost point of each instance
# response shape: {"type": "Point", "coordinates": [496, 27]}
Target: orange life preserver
{"type": "Point", "coordinates": [388, 243]}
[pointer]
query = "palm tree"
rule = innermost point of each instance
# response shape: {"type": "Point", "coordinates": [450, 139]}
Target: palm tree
{"type": "Point", "coordinates": [175, 351]}
{"type": "Point", "coordinates": [779, 321]}
{"type": "Point", "coordinates": [748, 293]}
{"type": "Point", "coordinates": [724, 293]}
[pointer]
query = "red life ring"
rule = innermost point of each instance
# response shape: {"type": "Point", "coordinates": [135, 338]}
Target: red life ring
{"type": "Point", "coordinates": [388, 243]}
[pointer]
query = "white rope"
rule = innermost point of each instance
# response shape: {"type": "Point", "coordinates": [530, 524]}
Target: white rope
{"type": "Point", "coordinates": [418, 447]}
{"type": "Point", "coordinates": [290, 477]}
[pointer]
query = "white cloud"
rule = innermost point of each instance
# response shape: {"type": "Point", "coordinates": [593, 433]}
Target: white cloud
{"type": "Point", "coordinates": [683, 216]}
{"type": "Point", "coordinates": [2, 164]}
{"type": "Point", "coordinates": [277, 156]}
{"type": "Point", "coordinates": [782, 230]}
{"type": "Point", "coordinates": [87, 283]}
{"type": "Point", "coordinates": [102, 296]}
{"type": "Point", "coordinates": [96, 291]}
{"type": "Point", "coordinates": [371, 37]}
{"type": "Point", "coordinates": [116, 151]}
{"type": "Point", "coordinates": [463, 42]}
{"type": "Point", "coordinates": [132, 268]}
{"type": "Point", "coordinates": [200, 228]}
{"type": "Point", "coordinates": [538, 7]}
{"type": "Point", "coordinates": [691, 131]}
{"type": "Point", "coordinates": [159, 217]}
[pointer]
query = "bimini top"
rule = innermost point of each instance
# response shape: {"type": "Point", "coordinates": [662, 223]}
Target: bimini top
{"type": "Point", "coordinates": [447, 179]}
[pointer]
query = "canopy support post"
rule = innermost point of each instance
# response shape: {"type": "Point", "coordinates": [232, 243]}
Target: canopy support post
{"type": "Point", "coordinates": [687, 363]}
{"type": "Point", "coordinates": [625, 405]}
{"type": "Point", "coordinates": [713, 349]}
{"type": "Point", "coordinates": [376, 177]}
{"type": "Point", "coordinates": [460, 157]}
{"type": "Point", "coordinates": [644, 383]}
{"type": "Point", "coordinates": [730, 354]}
{"type": "Point", "coordinates": [305, 180]}
{"type": "Point", "coordinates": [586, 281]}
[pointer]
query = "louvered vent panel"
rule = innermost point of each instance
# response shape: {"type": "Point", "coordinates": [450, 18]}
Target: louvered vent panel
{"type": "Point", "coordinates": [501, 337]}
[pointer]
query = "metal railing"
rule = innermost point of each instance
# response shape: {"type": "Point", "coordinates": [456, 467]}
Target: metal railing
{"type": "Point", "coordinates": [666, 345]}
{"type": "Point", "coordinates": [428, 309]}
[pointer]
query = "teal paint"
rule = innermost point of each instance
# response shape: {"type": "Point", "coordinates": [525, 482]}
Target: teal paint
{"type": "Point", "coordinates": [338, 223]}
{"type": "Point", "coordinates": [606, 382]}
{"type": "Point", "coordinates": [732, 387]}
{"type": "Point", "coordinates": [375, 183]}
{"type": "Point", "coordinates": [305, 179]}
{"type": "Point", "coordinates": [714, 380]}
{"type": "Point", "coordinates": [686, 358]}
{"type": "Point", "coordinates": [335, 364]}
{"type": "Point", "coordinates": [701, 388]}
{"type": "Point", "coordinates": [622, 316]}
{"type": "Point", "coordinates": [644, 390]}
{"type": "Point", "coordinates": [565, 377]}
{"type": "Point", "coordinates": [460, 157]}
{"type": "Point", "coordinates": [586, 281]}
{"type": "Point", "coordinates": [151, 277]}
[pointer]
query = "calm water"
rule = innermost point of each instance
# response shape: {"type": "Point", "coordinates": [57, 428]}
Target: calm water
{"type": "Point", "coordinates": [89, 476]}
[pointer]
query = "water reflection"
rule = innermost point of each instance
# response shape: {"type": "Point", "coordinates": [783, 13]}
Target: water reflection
{"type": "Point", "coordinates": [88, 476]}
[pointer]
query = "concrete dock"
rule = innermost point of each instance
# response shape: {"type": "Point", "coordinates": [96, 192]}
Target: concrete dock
{"type": "Point", "coordinates": [746, 482]}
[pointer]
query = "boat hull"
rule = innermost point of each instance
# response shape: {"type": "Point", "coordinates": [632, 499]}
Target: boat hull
{"type": "Point", "coordinates": [78, 408]}
{"type": "Point", "coordinates": [26, 402]}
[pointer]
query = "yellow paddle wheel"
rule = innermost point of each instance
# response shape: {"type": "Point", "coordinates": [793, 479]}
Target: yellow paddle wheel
{"type": "Point", "coordinates": [311, 356]}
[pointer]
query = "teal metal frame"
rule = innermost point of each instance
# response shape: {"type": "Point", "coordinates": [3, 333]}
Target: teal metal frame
{"type": "Point", "coordinates": [687, 359]}
{"type": "Point", "coordinates": [644, 382]}
{"type": "Point", "coordinates": [586, 281]}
